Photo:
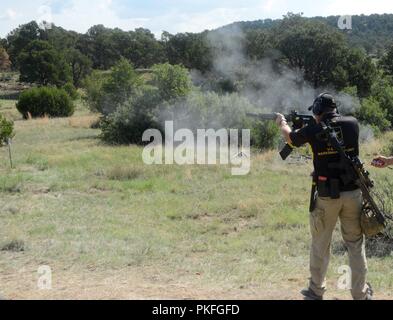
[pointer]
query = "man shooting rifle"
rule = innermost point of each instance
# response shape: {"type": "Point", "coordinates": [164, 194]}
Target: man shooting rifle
{"type": "Point", "coordinates": [334, 198]}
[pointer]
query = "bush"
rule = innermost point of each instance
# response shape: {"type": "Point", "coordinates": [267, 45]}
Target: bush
{"type": "Point", "coordinates": [371, 113]}
{"type": "Point", "coordinates": [122, 82]}
{"type": "Point", "coordinates": [106, 92]}
{"type": "Point", "coordinates": [94, 95]}
{"type": "Point", "coordinates": [131, 119]}
{"type": "Point", "coordinates": [45, 101]}
{"type": "Point", "coordinates": [173, 81]}
{"type": "Point", "coordinates": [81, 65]}
{"type": "Point", "coordinates": [265, 135]}
{"type": "Point", "coordinates": [210, 110]}
{"type": "Point", "coordinates": [382, 91]}
{"type": "Point", "coordinates": [6, 130]}
{"type": "Point", "coordinates": [201, 110]}
{"type": "Point", "coordinates": [71, 91]}
{"type": "Point", "coordinates": [196, 111]}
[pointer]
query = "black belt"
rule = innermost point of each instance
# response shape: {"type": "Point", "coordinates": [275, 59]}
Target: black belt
{"type": "Point", "coordinates": [332, 187]}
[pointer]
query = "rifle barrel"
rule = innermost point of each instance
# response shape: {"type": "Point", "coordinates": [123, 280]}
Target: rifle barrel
{"type": "Point", "coordinates": [270, 117]}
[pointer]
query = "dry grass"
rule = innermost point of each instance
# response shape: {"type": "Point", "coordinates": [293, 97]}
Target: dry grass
{"type": "Point", "coordinates": [377, 146]}
{"type": "Point", "coordinates": [135, 284]}
{"type": "Point", "coordinates": [111, 227]}
{"type": "Point", "coordinates": [42, 121]}
{"type": "Point", "coordinates": [123, 173]}
{"type": "Point", "coordinates": [83, 121]}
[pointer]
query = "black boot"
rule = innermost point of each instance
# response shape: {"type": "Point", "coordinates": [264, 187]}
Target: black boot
{"type": "Point", "coordinates": [310, 295]}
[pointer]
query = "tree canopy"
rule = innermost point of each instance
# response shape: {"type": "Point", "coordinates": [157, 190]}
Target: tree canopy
{"type": "Point", "coordinates": [325, 55]}
{"type": "Point", "coordinates": [40, 62]}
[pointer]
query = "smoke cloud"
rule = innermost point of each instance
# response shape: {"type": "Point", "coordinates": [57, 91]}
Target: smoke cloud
{"type": "Point", "coordinates": [264, 86]}
{"type": "Point", "coordinates": [269, 86]}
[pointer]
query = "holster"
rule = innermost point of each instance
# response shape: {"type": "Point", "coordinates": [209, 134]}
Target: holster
{"type": "Point", "coordinates": [314, 194]}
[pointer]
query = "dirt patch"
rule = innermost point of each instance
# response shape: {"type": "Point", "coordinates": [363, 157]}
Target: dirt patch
{"type": "Point", "coordinates": [143, 284]}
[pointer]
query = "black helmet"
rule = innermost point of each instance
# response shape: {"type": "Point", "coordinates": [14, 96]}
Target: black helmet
{"type": "Point", "coordinates": [324, 102]}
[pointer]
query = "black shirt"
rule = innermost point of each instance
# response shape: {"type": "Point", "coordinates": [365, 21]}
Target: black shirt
{"type": "Point", "coordinates": [347, 129]}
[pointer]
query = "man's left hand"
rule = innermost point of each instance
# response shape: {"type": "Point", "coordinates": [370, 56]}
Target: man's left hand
{"type": "Point", "coordinates": [281, 120]}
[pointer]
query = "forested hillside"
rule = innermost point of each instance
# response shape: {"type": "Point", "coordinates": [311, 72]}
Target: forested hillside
{"type": "Point", "coordinates": [373, 33]}
{"type": "Point", "coordinates": [212, 78]}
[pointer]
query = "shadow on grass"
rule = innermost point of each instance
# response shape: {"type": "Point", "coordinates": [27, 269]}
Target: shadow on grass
{"type": "Point", "coordinates": [10, 95]}
{"type": "Point", "coordinates": [14, 246]}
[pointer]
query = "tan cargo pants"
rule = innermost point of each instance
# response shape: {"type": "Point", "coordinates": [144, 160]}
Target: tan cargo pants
{"type": "Point", "coordinates": [323, 221]}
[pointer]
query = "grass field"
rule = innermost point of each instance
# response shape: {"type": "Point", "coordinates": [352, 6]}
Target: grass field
{"type": "Point", "coordinates": [111, 227]}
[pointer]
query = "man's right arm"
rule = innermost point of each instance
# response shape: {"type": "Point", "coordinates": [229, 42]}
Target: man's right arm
{"type": "Point", "coordinates": [382, 162]}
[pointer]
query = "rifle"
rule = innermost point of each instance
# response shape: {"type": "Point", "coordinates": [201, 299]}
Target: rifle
{"type": "Point", "coordinates": [298, 121]}
{"type": "Point", "coordinates": [355, 171]}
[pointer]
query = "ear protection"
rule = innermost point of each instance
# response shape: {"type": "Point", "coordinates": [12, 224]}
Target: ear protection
{"type": "Point", "coordinates": [323, 102]}
{"type": "Point", "coordinates": [317, 107]}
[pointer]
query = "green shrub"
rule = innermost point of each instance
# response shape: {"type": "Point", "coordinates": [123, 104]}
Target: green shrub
{"type": "Point", "coordinates": [105, 92]}
{"type": "Point", "coordinates": [131, 119]}
{"type": "Point", "coordinates": [371, 113]}
{"type": "Point", "coordinates": [213, 111]}
{"type": "Point", "coordinates": [71, 90]}
{"type": "Point", "coordinates": [45, 101]}
{"type": "Point", "coordinates": [197, 110]}
{"type": "Point", "coordinates": [200, 110]}
{"type": "Point", "coordinates": [352, 91]}
{"type": "Point", "coordinates": [265, 135]}
{"type": "Point", "coordinates": [123, 81]}
{"type": "Point", "coordinates": [6, 130]}
{"type": "Point", "coordinates": [387, 148]}
{"type": "Point", "coordinates": [382, 91]}
{"type": "Point", "coordinates": [173, 81]}
{"type": "Point", "coordinates": [124, 127]}
{"type": "Point", "coordinates": [94, 94]}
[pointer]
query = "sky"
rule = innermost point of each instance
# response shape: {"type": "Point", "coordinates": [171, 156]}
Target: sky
{"type": "Point", "coordinates": [171, 15]}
